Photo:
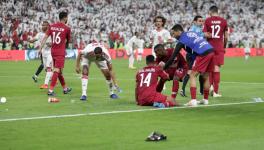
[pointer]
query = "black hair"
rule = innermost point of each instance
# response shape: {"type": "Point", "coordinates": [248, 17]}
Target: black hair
{"type": "Point", "coordinates": [98, 50]}
{"type": "Point", "coordinates": [45, 21]}
{"type": "Point", "coordinates": [177, 27]}
{"type": "Point", "coordinates": [213, 9]}
{"type": "Point", "coordinates": [159, 46]}
{"type": "Point", "coordinates": [197, 17]}
{"type": "Point", "coordinates": [62, 15]}
{"type": "Point", "coordinates": [162, 18]}
{"type": "Point", "coordinates": [150, 59]}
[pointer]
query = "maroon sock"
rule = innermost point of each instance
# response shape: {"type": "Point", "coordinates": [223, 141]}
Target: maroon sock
{"type": "Point", "coordinates": [206, 93]}
{"type": "Point", "coordinates": [193, 92]}
{"type": "Point", "coordinates": [160, 86]}
{"type": "Point", "coordinates": [169, 104]}
{"type": "Point", "coordinates": [175, 88]}
{"type": "Point", "coordinates": [216, 81]}
{"type": "Point", "coordinates": [62, 81]}
{"type": "Point", "coordinates": [211, 77]}
{"type": "Point", "coordinates": [54, 80]}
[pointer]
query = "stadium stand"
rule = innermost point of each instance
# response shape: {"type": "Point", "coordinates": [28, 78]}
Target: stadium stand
{"type": "Point", "coordinates": [117, 20]}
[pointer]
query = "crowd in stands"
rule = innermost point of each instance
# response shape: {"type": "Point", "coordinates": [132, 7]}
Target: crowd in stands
{"type": "Point", "coordinates": [115, 21]}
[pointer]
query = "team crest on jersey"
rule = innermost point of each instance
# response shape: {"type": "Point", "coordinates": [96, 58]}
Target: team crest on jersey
{"type": "Point", "coordinates": [191, 34]}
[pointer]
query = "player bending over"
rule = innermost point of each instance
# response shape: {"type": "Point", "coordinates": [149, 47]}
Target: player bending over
{"type": "Point", "coordinates": [176, 71]}
{"type": "Point", "coordinates": [97, 53]}
{"type": "Point", "coordinates": [146, 83]}
{"type": "Point", "coordinates": [203, 63]}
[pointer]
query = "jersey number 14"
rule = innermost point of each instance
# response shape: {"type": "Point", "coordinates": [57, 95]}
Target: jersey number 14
{"type": "Point", "coordinates": [145, 80]}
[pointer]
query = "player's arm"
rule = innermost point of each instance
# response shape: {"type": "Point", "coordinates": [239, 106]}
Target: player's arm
{"type": "Point", "coordinates": [163, 75]}
{"type": "Point", "coordinates": [207, 34]}
{"type": "Point", "coordinates": [43, 42]}
{"type": "Point", "coordinates": [178, 47]}
{"type": "Point", "coordinates": [78, 60]}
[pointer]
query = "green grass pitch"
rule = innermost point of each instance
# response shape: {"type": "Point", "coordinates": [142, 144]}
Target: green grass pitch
{"type": "Point", "coordinates": [236, 127]}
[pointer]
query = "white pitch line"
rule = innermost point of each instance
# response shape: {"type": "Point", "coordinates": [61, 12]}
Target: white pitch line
{"type": "Point", "coordinates": [118, 112]}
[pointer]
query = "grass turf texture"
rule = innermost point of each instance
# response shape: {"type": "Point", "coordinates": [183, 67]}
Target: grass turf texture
{"type": "Point", "coordinates": [222, 127]}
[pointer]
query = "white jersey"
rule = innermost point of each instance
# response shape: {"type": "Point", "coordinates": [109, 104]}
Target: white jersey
{"type": "Point", "coordinates": [46, 49]}
{"type": "Point", "coordinates": [133, 41]}
{"type": "Point", "coordinates": [90, 48]}
{"type": "Point", "coordinates": [160, 37]}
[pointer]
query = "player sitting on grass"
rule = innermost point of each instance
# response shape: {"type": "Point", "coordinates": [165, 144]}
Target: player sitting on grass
{"type": "Point", "coordinates": [97, 53]}
{"type": "Point", "coordinates": [176, 71]}
{"type": "Point", "coordinates": [146, 83]}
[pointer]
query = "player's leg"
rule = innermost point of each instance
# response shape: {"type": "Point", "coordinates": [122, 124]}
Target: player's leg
{"type": "Point", "coordinates": [184, 83]}
{"type": "Point", "coordinates": [40, 68]}
{"type": "Point", "coordinates": [84, 80]}
{"type": "Point", "coordinates": [161, 101]}
{"type": "Point", "coordinates": [140, 53]}
{"type": "Point", "coordinates": [104, 69]}
{"type": "Point", "coordinates": [216, 74]}
{"type": "Point", "coordinates": [131, 58]}
{"type": "Point", "coordinates": [54, 79]}
{"type": "Point", "coordinates": [201, 82]}
{"type": "Point", "coordinates": [47, 61]}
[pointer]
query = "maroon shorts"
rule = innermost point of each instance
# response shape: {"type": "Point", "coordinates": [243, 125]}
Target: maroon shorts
{"type": "Point", "coordinates": [204, 63]}
{"type": "Point", "coordinates": [177, 72]}
{"type": "Point", "coordinates": [149, 100]}
{"type": "Point", "coordinates": [58, 61]}
{"type": "Point", "coordinates": [219, 58]}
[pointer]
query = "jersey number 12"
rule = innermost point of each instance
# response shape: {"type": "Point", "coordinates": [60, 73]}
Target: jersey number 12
{"type": "Point", "coordinates": [145, 80]}
{"type": "Point", "coordinates": [215, 31]}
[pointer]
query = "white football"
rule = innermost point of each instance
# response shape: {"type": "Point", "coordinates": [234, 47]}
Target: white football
{"type": "Point", "coordinates": [3, 100]}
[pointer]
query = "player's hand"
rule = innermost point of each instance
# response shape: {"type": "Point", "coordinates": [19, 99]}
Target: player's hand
{"type": "Point", "coordinates": [78, 69]}
{"type": "Point", "coordinates": [161, 64]}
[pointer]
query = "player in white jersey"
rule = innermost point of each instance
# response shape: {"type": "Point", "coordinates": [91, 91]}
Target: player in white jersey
{"type": "Point", "coordinates": [46, 54]}
{"type": "Point", "coordinates": [130, 47]}
{"type": "Point", "coordinates": [140, 49]}
{"type": "Point", "coordinates": [160, 35]}
{"type": "Point", "coordinates": [97, 53]}
{"type": "Point", "coordinates": [247, 45]}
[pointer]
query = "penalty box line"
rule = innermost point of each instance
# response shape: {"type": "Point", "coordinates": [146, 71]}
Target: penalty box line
{"type": "Point", "coordinates": [121, 111]}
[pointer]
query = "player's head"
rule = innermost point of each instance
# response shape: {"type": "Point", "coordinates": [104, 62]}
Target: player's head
{"type": "Point", "coordinates": [63, 16]}
{"type": "Point", "coordinates": [159, 21]}
{"type": "Point", "coordinates": [150, 59]}
{"type": "Point", "coordinates": [98, 51]}
{"type": "Point", "coordinates": [198, 20]}
{"type": "Point", "coordinates": [213, 10]}
{"type": "Point", "coordinates": [45, 26]}
{"type": "Point", "coordinates": [176, 31]}
{"type": "Point", "coordinates": [137, 34]}
{"type": "Point", "coordinates": [159, 50]}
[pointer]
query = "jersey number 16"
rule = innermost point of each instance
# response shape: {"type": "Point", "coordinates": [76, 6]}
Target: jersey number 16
{"type": "Point", "coordinates": [56, 37]}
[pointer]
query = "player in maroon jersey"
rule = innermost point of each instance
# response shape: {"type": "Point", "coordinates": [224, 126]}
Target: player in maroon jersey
{"type": "Point", "coordinates": [176, 71]}
{"type": "Point", "coordinates": [146, 83]}
{"type": "Point", "coordinates": [60, 35]}
{"type": "Point", "coordinates": [215, 29]}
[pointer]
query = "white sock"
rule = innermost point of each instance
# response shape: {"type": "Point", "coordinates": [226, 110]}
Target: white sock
{"type": "Point", "coordinates": [47, 78]}
{"type": "Point", "coordinates": [110, 86]}
{"type": "Point", "coordinates": [131, 60]}
{"type": "Point", "coordinates": [84, 85]}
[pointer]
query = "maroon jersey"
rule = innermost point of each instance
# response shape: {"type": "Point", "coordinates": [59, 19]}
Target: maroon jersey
{"type": "Point", "coordinates": [59, 33]}
{"type": "Point", "coordinates": [179, 62]}
{"type": "Point", "coordinates": [147, 80]}
{"type": "Point", "coordinates": [216, 26]}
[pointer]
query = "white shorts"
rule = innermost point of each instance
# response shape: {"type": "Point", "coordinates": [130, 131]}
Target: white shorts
{"type": "Point", "coordinates": [100, 64]}
{"type": "Point", "coordinates": [47, 61]}
{"type": "Point", "coordinates": [129, 50]}
{"type": "Point", "coordinates": [140, 50]}
{"type": "Point", "coordinates": [247, 50]}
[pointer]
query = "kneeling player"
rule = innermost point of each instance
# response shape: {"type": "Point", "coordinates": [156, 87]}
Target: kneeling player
{"type": "Point", "coordinates": [146, 83]}
{"type": "Point", "coordinates": [176, 71]}
{"type": "Point", "coordinates": [97, 53]}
